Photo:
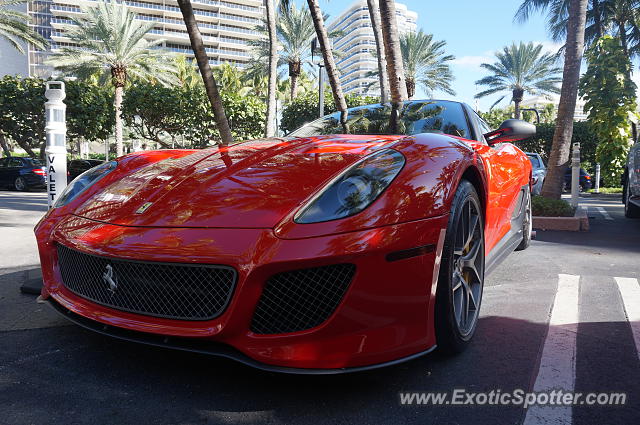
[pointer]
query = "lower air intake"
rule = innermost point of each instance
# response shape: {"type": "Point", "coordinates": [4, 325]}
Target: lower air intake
{"type": "Point", "coordinates": [301, 299]}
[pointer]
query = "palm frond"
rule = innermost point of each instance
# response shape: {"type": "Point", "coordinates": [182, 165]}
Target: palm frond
{"type": "Point", "coordinates": [425, 61]}
{"type": "Point", "coordinates": [108, 36]}
{"type": "Point", "coordinates": [15, 29]}
{"type": "Point", "coordinates": [522, 67]}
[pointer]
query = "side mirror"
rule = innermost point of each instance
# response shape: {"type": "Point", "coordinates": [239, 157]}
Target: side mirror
{"type": "Point", "coordinates": [510, 131]}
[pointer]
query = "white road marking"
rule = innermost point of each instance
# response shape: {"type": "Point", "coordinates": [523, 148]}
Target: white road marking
{"type": "Point", "coordinates": [604, 213]}
{"type": "Point", "coordinates": [630, 292]}
{"type": "Point", "coordinates": [557, 364]}
{"type": "Point", "coordinates": [585, 208]}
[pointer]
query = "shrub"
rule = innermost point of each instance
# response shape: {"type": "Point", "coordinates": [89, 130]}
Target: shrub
{"type": "Point", "coordinates": [545, 207]}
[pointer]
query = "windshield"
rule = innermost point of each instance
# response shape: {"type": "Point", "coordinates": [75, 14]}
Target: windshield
{"type": "Point", "coordinates": [535, 161]}
{"type": "Point", "coordinates": [416, 117]}
{"type": "Point", "coordinates": [36, 163]}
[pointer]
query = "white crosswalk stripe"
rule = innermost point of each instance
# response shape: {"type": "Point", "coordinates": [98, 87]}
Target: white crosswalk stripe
{"type": "Point", "coordinates": [557, 364]}
{"type": "Point", "coordinates": [630, 292]}
{"type": "Point", "coordinates": [604, 213]}
{"type": "Point", "coordinates": [558, 359]}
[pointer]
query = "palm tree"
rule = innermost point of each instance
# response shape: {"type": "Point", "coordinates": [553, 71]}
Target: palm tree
{"type": "Point", "coordinates": [329, 62]}
{"type": "Point", "coordinates": [425, 61]}
{"type": "Point", "coordinates": [376, 27]}
{"type": "Point", "coordinates": [619, 18]}
{"type": "Point", "coordinates": [573, 50]}
{"type": "Point", "coordinates": [295, 33]}
{"type": "Point", "coordinates": [14, 26]}
{"type": "Point", "coordinates": [270, 129]}
{"type": "Point", "coordinates": [219, 116]}
{"type": "Point", "coordinates": [107, 39]}
{"type": "Point", "coordinates": [307, 83]}
{"type": "Point", "coordinates": [395, 70]}
{"type": "Point", "coordinates": [521, 69]}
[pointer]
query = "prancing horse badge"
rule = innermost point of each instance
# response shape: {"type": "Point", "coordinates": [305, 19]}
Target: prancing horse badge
{"type": "Point", "coordinates": [144, 207]}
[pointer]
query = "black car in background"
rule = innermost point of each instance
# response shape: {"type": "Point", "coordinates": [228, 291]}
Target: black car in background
{"type": "Point", "coordinates": [584, 182]}
{"type": "Point", "coordinates": [22, 173]}
{"type": "Point", "coordinates": [79, 166]}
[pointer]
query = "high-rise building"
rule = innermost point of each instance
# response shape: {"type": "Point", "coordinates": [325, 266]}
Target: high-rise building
{"type": "Point", "coordinates": [357, 46]}
{"type": "Point", "coordinates": [226, 27]}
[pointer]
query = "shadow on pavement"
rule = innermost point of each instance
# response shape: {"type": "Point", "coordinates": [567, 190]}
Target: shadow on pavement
{"type": "Point", "coordinates": [72, 375]}
{"type": "Point", "coordinates": [18, 202]}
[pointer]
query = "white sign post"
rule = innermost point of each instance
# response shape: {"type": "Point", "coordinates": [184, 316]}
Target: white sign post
{"type": "Point", "coordinates": [575, 175]}
{"type": "Point", "coordinates": [56, 148]}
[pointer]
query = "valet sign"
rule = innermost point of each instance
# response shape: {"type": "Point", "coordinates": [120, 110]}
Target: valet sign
{"type": "Point", "coordinates": [56, 146]}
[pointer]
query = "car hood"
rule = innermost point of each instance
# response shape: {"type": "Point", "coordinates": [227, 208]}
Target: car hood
{"type": "Point", "coordinates": [250, 185]}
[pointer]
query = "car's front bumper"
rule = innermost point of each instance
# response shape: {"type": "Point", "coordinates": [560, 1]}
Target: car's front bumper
{"type": "Point", "coordinates": [385, 315]}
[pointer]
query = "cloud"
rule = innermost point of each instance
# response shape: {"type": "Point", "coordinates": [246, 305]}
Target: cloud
{"type": "Point", "coordinates": [472, 61]}
{"type": "Point", "coordinates": [549, 46]}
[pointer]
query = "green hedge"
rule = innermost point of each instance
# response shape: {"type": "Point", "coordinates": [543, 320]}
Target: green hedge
{"type": "Point", "coordinates": [582, 133]}
{"type": "Point", "coordinates": [545, 207]}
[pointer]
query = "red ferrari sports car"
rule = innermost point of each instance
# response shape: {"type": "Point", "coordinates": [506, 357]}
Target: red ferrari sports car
{"type": "Point", "coordinates": [358, 241]}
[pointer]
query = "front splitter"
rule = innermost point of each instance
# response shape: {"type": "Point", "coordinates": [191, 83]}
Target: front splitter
{"type": "Point", "coordinates": [209, 347]}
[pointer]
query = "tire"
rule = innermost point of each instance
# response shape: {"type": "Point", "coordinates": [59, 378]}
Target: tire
{"type": "Point", "coordinates": [20, 184]}
{"type": "Point", "coordinates": [630, 210]}
{"type": "Point", "coordinates": [461, 277]}
{"type": "Point", "coordinates": [527, 225]}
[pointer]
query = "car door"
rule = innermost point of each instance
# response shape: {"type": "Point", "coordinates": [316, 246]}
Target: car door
{"type": "Point", "coordinates": [504, 169]}
{"type": "Point", "coordinates": [4, 162]}
{"type": "Point", "coordinates": [13, 169]}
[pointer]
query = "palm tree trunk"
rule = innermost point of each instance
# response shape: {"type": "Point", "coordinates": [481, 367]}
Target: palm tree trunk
{"type": "Point", "coordinates": [329, 62]}
{"type": "Point", "coordinates": [294, 73]}
{"type": "Point", "coordinates": [597, 17]}
{"type": "Point", "coordinates": [270, 129]}
{"type": "Point", "coordinates": [517, 99]}
{"type": "Point", "coordinates": [294, 87]}
{"type": "Point", "coordinates": [516, 109]}
{"type": "Point", "coordinates": [4, 145]}
{"type": "Point", "coordinates": [205, 70]}
{"type": "Point", "coordinates": [574, 47]}
{"type": "Point", "coordinates": [411, 87]}
{"type": "Point", "coordinates": [374, 15]}
{"type": "Point", "coordinates": [623, 37]}
{"type": "Point", "coordinates": [395, 68]}
{"type": "Point", "coordinates": [117, 104]}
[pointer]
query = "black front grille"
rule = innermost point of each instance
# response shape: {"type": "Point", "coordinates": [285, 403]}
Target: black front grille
{"type": "Point", "coordinates": [301, 299]}
{"type": "Point", "coordinates": [171, 290]}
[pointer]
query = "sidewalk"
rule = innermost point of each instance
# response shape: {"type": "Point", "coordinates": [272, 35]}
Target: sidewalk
{"type": "Point", "coordinates": [19, 262]}
{"type": "Point", "coordinates": [19, 213]}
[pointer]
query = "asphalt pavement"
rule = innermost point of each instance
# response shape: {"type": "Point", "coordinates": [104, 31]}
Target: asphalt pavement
{"type": "Point", "coordinates": [562, 315]}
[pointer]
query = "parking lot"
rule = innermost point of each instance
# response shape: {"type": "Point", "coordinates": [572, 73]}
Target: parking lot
{"type": "Point", "coordinates": [555, 316]}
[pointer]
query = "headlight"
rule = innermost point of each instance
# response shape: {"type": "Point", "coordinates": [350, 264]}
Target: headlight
{"type": "Point", "coordinates": [83, 181]}
{"type": "Point", "coordinates": [354, 190]}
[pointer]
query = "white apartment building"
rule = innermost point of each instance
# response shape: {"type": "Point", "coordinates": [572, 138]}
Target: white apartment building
{"type": "Point", "coordinates": [539, 102]}
{"type": "Point", "coordinates": [357, 45]}
{"type": "Point", "coordinates": [226, 27]}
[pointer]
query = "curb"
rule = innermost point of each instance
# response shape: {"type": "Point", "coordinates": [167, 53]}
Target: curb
{"type": "Point", "coordinates": [578, 223]}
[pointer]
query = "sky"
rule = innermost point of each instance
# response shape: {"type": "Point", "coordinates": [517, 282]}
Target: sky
{"type": "Point", "coordinates": [473, 30]}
